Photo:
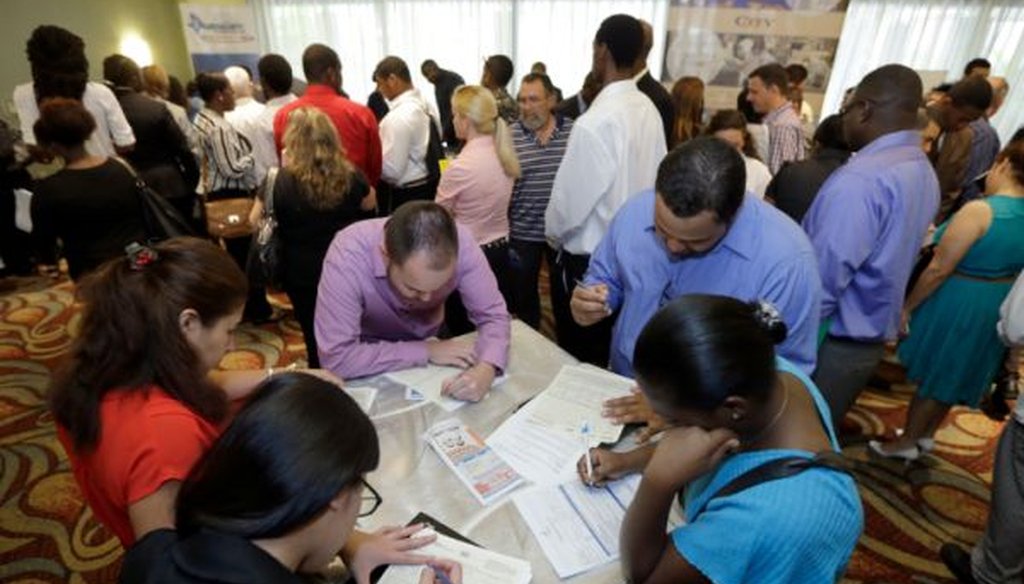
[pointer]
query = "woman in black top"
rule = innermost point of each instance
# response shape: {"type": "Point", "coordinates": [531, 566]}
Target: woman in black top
{"type": "Point", "coordinates": [316, 194]}
{"type": "Point", "coordinates": [279, 494]}
{"type": "Point", "coordinates": [91, 204]}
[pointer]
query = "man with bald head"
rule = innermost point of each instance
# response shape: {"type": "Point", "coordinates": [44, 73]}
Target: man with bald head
{"type": "Point", "coordinates": [866, 226]}
{"type": "Point", "coordinates": [655, 91]}
{"type": "Point", "coordinates": [245, 119]}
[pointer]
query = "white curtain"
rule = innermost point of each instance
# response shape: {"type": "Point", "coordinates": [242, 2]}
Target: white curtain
{"type": "Point", "coordinates": [458, 34]}
{"type": "Point", "coordinates": [933, 35]}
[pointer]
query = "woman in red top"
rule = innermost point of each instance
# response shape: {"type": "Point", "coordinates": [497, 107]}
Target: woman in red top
{"type": "Point", "coordinates": [137, 402]}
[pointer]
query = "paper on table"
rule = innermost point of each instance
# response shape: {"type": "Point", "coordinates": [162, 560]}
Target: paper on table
{"type": "Point", "coordinates": [364, 396]}
{"type": "Point", "coordinates": [576, 396]}
{"type": "Point", "coordinates": [538, 454]}
{"type": "Point", "coordinates": [428, 381]}
{"type": "Point", "coordinates": [577, 526]}
{"type": "Point", "coordinates": [478, 565]}
{"type": "Point", "coordinates": [477, 465]}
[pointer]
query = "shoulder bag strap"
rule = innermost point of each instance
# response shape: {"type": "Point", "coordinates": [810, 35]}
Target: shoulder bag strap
{"type": "Point", "coordinates": [268, 191]}
{"type": "Point", "coordinates": [779, 468]}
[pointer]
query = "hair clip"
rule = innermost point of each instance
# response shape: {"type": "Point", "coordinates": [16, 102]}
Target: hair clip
{"type": "Point", "coordinates": [140, 256]}
{"type": "Point", "coordinates": [766, 314]}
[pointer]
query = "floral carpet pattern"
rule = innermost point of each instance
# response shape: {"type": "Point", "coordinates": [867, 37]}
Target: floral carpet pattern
{"type": "Point", "coordinates": [48, 534]}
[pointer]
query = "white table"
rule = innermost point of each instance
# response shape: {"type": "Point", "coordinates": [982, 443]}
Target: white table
{"type": "Point", "coordinates": [411, 477]}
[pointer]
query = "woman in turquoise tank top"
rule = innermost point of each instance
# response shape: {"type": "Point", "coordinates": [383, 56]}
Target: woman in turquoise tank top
{"type": "Point", "coordinates": [952, 350]}
{"type": "Point", "coordinates": [708, 368]}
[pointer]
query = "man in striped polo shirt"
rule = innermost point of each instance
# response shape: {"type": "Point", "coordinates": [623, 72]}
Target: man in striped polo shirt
{"type": "Point", "coordinates": [540, 138]}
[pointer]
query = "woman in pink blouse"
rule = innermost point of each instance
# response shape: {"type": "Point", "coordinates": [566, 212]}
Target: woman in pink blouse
{"type": "Point", "coordinates": [477, 186]}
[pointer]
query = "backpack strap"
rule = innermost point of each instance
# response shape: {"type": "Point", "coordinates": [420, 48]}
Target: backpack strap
{"type": "Point", "coordinates": [780, 468]}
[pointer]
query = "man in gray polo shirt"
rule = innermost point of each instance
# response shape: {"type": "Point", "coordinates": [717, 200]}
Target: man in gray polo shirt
{"type": "Point", "coordinates": [540, 138]}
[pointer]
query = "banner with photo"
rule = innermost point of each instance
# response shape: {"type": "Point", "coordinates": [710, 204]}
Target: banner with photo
{"type": "Point", "coordinates": [722, 41]}
{"type": "Point", "coordinates": [218, 36]}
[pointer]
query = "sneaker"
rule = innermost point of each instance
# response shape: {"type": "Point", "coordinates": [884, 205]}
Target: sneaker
{"type": "Point", "coordinates": [958, 560]}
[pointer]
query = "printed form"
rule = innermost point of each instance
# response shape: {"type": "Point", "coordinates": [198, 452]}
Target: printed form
{"type": "Point", "coordinates": [577, 526]}
{"type": "Point", "coordinates": [576, 397]}
{"type": "Point", "coordinates": [478, 565]}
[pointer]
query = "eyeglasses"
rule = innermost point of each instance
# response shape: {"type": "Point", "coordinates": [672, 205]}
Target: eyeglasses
{"type": "Point", "coordinates": [370, 501]}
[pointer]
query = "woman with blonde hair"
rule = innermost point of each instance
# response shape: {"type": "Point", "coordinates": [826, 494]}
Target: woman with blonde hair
{"type": "Point", "coordinates": [688, 99]}
{"type": "Point", "coordinates": [477, 186]}
{"type": "Point", "coordinates": [316, 193]}
{"type": "Point", "coordinates": [157, 84]}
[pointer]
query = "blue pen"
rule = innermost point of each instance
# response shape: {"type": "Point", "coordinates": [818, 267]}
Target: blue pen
{"type": "Point", "coordinates": [442, 578]}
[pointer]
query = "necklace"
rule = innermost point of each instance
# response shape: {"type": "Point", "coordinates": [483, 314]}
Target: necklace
{"type": "Point", "coordinates": [775, 419]}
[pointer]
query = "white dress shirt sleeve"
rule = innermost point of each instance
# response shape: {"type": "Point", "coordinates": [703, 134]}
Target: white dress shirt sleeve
{"type": "Point", "coordinates": [120, 131]}
{"type": "Point", "coordinates": [28, 111]}
{"type": "Point", "coordinates": [396, 137]}
{"type": "Point", "coordinates": [584, 177]}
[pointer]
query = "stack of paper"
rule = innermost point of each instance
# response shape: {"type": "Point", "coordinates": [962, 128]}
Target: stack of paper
{"type": "Point", "coordinates": [542, 441]}
{"type": "Point", "coordinates": [577, 526]}
{"type": "Point", "coordinates": [486, 475]}
{"type": "Point", "coordinates": [479, 566]}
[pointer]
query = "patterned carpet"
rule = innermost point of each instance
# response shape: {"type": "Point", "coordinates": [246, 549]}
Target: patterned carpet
{"type": "Point", "coordinates": [48, 535]}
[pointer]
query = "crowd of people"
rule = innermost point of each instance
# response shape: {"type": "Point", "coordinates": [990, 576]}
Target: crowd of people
{"type": "Point", "coordinates": [681, 247]}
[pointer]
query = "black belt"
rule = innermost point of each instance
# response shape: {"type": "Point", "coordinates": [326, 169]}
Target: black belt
{"type": "Point", "coordinates": [420, 182]}
{"type": "Point", "coordinates": [497, 243]}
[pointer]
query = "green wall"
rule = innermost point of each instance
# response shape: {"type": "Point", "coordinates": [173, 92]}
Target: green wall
{"type": "Point", "coordinates": [101, 23]}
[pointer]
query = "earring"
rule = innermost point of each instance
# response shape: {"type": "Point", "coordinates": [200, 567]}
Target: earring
{"type": "Point", "coordinates": [736, 416]}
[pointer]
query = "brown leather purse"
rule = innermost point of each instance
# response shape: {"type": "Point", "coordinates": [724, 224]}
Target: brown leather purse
{"type": "Point", "coordinates": [229, 218]}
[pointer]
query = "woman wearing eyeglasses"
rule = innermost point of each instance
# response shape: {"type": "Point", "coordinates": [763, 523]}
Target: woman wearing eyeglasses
{"type": "Point", "coordinates": [278, 494]}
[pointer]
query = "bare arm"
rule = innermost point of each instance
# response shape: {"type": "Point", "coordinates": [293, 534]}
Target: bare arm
{"type": "Point", "coordinates": [965, 228]}
{"type": "Point", "coordinates": [155, 511]}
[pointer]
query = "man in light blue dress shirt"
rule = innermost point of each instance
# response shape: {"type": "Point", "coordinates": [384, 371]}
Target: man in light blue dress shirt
{"type": "Point", "coordinates": [699, 232]}
{"type": "Point", "coordinates": [867, 225]}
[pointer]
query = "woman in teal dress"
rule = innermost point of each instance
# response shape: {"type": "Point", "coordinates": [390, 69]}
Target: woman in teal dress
{"type": "Point", "coordinates": [952, 350]}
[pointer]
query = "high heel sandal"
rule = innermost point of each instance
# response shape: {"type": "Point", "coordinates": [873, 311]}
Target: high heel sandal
{"type": "Point", "coordinates": [907, 455]}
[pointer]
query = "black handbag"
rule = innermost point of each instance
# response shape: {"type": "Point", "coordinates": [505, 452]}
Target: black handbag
{"type": "Point", "coordinates": [159, 218]}
{"type": "Point", "coordinates": [267, 245]}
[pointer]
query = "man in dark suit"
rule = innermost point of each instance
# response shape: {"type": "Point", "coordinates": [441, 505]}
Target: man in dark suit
{"type": "Point", "coordinates": [161, 154]}
{"type": "Point", "coordinates": [445, 83]}
{"type": "Point", "coordinates": [573, 106]}
{"type": "Point", "coordinates": [651, 88]}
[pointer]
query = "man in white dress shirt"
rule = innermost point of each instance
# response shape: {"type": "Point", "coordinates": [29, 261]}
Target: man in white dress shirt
{"type": "Point", "coordinates": [404, 136]}
{"type": "Point", "coordinates": [245, 119]}
{"type": "Point", "coordinates": [276, 82]}
{"type": "Point", "coordinates": [613, 153]}
{"type": "Point", "coordinates": [60, 69]}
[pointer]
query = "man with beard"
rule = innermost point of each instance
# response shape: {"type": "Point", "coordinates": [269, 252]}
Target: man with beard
{"type": "Point", "coordinates": [697, 233]}
{"type": "Point", "coordinates": [540, 138]}
{"type": "Point", "coordinates": [381, 300]}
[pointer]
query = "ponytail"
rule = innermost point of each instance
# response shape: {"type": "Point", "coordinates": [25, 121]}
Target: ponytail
{"type": "Point", "coordinates": [506, 149]}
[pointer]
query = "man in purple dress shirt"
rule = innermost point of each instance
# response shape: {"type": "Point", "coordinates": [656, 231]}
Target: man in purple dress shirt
{"type": "Point", "coordinates": [381, 300]}
{"type": "Point", "coordinates": [866, 226]}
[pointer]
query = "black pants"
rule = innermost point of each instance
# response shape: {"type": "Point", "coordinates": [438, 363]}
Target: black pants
{"type": "Point", "coordinates": [391, 197]}
{"type": "Point", "coordinates": [256, 305]}
{"type": "Point", "coordinates": [524, 258]}
{"type": "Point", "coordinates": [590, 344]}
{"type": "Point", "coordinates": [303, 299]}
{"type": "Point", "coordinates": [15, 245]}
{"type": "Point", "coordinates": [456, 319]}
